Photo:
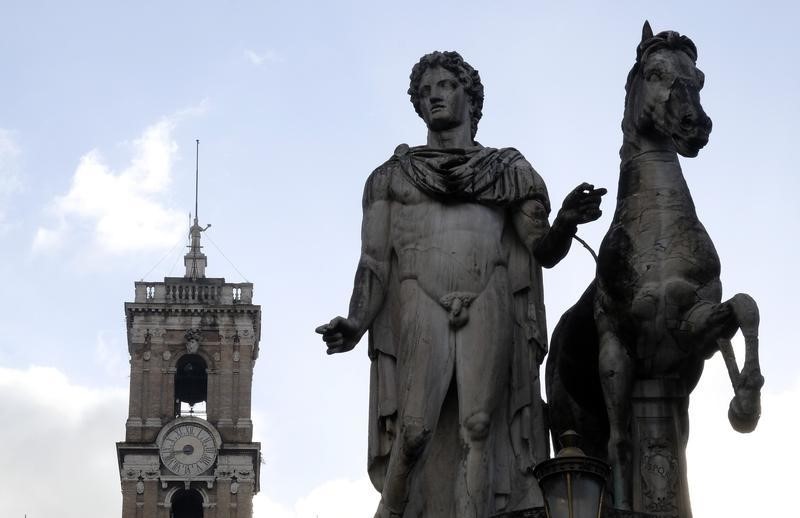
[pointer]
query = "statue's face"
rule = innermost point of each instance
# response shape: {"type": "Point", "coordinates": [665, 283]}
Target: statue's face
{"type": "Point", "coordinates": [443, 102]}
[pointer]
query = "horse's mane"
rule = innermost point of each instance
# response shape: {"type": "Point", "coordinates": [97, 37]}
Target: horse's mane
{"type": "Point", "coordinates": [663, 40]}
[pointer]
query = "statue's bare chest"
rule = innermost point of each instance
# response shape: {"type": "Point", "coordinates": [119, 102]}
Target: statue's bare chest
{"type": "Point", "coordinates": [461, 242]}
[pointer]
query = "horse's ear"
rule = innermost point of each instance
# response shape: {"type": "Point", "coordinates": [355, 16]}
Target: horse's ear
{"type": "Point", "coordinates": [647, 31]}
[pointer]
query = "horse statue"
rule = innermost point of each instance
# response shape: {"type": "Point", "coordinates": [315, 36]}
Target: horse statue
{"type": "Point", "coordinates": [654, 310]}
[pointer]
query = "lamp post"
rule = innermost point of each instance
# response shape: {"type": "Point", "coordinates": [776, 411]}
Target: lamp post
{"type": "Point", "coordinates": [572, 483]}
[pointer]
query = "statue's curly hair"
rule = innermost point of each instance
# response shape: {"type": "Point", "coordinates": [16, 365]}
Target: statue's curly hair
{"type": "Point", "coordinates": [466, 75]}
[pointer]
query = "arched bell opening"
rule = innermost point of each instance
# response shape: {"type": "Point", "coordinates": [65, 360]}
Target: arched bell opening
{"type": "Point", "coordinates": [191, 385]}
{"type": "Point", "coordinates": [186, 504]}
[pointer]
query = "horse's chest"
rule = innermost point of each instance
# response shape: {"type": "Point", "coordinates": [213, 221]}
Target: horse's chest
{"type": "Point", "coordinates": [656, 235]}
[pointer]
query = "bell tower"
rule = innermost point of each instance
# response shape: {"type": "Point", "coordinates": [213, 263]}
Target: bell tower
{"type": "Point", "coordinates": [188, 449]}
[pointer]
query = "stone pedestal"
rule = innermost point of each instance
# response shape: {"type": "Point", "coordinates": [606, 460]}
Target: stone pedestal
{"type": "Point", "coordinates": [659, 433]}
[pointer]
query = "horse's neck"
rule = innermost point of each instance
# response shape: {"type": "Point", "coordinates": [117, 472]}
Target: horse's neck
{"type": "Point", "coordinates": [651, 171]}
{"type": "Point", "coordinates": [636, 144]}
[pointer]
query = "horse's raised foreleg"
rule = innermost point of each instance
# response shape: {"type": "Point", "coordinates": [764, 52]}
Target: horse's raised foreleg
{"type": "Point", "coordinates": [616, 379]}
{"type": "Point", "coordinates": [745, 407]}
{"type": "Point", "coordinates": [715, 324]}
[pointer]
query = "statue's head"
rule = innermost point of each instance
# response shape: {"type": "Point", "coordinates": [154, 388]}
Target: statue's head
{"type": "Point", "coordinates": [662, 94]}
{"type": "Point", "coordinates": [466, 76]}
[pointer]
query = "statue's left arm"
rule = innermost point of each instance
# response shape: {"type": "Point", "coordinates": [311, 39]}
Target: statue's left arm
{"type": "Point", "coordinates": [550, 244]}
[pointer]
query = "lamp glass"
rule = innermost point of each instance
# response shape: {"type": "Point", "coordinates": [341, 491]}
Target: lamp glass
{"type": "Point", "coordinates": [556, 491]}
{"type": "Point", "coordinates": [587, 492]}
{"type": "Point", "coordinates": [573, 494]}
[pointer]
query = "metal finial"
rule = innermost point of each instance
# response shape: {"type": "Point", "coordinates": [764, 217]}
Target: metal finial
{"type": "Point", "coordinates": [196, 176]}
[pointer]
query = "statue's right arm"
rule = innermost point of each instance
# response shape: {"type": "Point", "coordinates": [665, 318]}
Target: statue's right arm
{"type": "Point", "coordinates": [372, 273]}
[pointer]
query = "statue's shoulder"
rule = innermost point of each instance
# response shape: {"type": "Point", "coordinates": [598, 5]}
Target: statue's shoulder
{"type": "Point", "coordinates": [516, 159]}
{"type": "Point", "coordinates": [528, 181]}
{"type": "Point", "coordinates": [378, 184]}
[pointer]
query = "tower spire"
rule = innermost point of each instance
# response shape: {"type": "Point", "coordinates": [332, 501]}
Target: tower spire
{"type": "Point", "coordinates": [195, 260]}
{"type": "Point", "coordinates": [196, 176]}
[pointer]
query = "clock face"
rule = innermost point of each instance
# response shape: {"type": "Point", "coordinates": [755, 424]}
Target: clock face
{"type": "Point", "coordinates": [188, 449]}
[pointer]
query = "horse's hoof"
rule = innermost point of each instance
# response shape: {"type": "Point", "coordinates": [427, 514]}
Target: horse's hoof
{"type": "Point", "coordinates": [741, 420]}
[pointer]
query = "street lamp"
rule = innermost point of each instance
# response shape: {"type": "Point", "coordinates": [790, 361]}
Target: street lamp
{"type": "Point", "coordinates": [572, 483]}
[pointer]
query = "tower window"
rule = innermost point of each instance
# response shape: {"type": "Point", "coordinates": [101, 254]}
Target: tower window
{"type": "Point", "coordinates": [191, 384]}
{"type": "Point", "coordinates": [187, 504]}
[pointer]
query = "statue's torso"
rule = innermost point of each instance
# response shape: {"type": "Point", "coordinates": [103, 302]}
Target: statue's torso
{"type": "Point", "coordinates": [446, 247]}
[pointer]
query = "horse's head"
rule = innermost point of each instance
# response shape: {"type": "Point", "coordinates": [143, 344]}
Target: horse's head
{"type": "Point", "coordinates": [662, 95]}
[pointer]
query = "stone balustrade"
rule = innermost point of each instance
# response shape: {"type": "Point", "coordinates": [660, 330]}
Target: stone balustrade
{"type": "Point", "coordinates": [180, 290]}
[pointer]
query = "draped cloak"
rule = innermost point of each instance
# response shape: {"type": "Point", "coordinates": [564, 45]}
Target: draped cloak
{"type": "Point", "coordinates": [497, 178]}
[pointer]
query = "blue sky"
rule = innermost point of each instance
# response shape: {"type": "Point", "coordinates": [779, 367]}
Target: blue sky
{"type": "Point", "coordinates": [295, 103]}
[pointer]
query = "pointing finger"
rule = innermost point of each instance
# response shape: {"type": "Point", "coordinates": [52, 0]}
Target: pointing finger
{"type": "Point", "coordinates": [322, 329]}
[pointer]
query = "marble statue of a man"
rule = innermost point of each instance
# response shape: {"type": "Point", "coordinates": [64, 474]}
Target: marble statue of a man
{"type": "Point", "coordinates": [449, 287]}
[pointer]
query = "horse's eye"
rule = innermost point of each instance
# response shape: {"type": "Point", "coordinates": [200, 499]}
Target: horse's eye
{"type": "Point", "coordinates": [653, 75]}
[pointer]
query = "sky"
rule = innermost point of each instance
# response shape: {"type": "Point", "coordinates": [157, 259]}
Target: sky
{"type": "Point", "coordinates": [295, 103]}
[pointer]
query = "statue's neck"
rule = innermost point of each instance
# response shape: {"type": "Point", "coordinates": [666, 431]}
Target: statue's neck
{"type": "Point", "coordinates": [459, 137]}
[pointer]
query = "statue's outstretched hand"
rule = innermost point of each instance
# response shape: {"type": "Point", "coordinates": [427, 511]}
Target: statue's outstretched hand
{"type": "Point", "coordinates": [581, 205]}
{"type": "Point", "coordinates": [340, 334]}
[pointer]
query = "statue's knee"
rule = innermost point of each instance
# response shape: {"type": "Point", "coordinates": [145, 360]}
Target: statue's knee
{"type": "Point", "coordinates": [476, 426]}
{"type": "Point", "coordinates": [415, 436]}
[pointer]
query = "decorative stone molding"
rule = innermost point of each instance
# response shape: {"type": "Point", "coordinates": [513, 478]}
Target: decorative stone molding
{"type": "Point", "coordinates": [138, 467]}
{"type": "Point", "coordinates": [168, 480]}
{"type": "Point", "coordinates": [193, 338]}
{"type": "Point", "coordinates": [238, 467]}
{"type": "Point", "coordinates": [139, 474]}
{"type": "Point", "coordinates": [660, 474]}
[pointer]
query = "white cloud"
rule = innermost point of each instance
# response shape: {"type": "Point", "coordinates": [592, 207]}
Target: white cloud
{"type": "Point", "coordinates": [124, 210]}
{"type": "Point", "coordinates": [58, 440]}
{"type": "Point", "coordinates": [258, 59]}
{"type": "Point", "coordinates": [331, 499]}
{"type": "Point", "coordinates": [741, 475]}
{"type": "Point", "coordinates": [49, 238]}
{"type": "Point", "coordinates": [111, 355]}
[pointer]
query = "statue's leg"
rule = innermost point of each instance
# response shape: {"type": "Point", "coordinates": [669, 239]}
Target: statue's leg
{"type": "Point", "coordinates": [483, 349]}
{"type": "Point", "coordinates": [424, 370]}
{"type": "Point", "coordinates": [616, 379]}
